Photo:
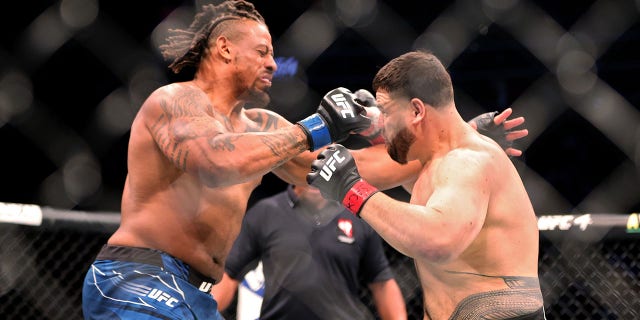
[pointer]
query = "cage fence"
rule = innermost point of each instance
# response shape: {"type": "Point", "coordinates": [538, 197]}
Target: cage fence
{"type": "Point", "coordinates": [563, 65]}
{"type": "Point", "coordinates": [588, 265]}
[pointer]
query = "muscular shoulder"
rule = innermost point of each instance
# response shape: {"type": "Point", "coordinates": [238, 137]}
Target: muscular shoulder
{"type": "Point", "coordinates": [469, 164]}
{"type": "Point", "coordinates": [462, 157]}
{"type": "Point", "coordinates": [176, 98]}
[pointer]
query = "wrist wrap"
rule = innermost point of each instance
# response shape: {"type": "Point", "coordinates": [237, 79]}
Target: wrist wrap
{"type": "Point", "coordinates": [356, 197]}
{"type": "Point", "coordinates": [318, 134]}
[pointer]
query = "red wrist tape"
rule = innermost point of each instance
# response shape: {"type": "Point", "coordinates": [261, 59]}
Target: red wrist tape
{"type": "Point", "coordinates": [358, 195]}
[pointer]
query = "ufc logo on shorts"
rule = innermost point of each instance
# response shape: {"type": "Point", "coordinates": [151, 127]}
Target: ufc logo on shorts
{"type": "Point", "coordinates": [340, 100]}
{"type": "Point", "coordinates": [160, 296]}
{"type": "Point", "coordinates": [330, 166]}
{"type": "Point", "coordinates": [205, 286]}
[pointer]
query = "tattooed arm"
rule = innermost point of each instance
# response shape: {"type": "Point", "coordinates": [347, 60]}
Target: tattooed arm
{"type": "Point", "coordinates": [373, 162]}
{"type": "Point", "coordinates": [295, 170]}
{"type": "Point", "coordinates": [207, 144]}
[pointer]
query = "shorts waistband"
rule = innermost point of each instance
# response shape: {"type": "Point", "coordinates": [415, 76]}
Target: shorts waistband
{"type": "Point", "coordinates": [152, 257]}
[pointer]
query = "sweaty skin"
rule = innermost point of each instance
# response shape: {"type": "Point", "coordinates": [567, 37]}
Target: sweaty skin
{"type": "Point", "coordinates": [196, 154]}
{"type": "Point", "coordinates": [192, 216]}
{"type": "Point", "coordinates": [191, 168]}
{"type": "Point", "coordinates": [469, 225]}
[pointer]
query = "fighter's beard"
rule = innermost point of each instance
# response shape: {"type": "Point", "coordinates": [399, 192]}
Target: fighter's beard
{"type": "Point", "coordinates": [254, 97]}
{"type": "Point", "coordinates": [400, 144]}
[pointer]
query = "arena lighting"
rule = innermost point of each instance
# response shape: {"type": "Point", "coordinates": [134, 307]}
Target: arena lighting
{"type": "Point", "coordinates": [563, 65]}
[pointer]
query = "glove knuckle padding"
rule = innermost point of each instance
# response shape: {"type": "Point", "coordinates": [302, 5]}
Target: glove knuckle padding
{"type": "Point", "coordinates": [338, 115]}
{"type": "Point", "coordinates": [335, 173]}
{"type": "Point", "coordinates": [342, 113]}
{"type": "Point", "coordinates": [338, 179]}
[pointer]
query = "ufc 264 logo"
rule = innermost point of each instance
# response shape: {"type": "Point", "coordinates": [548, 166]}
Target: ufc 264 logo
{"type": "Point", "coordinates": [330, 165]}
{"type": "Point", "coordinates": [341, 101]}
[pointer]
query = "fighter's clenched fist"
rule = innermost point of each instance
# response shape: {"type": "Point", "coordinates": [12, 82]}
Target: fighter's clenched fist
{"type": "Point", "coordinates": [335, 174]}
{"type": "Point", "coordinates": [338, 115]}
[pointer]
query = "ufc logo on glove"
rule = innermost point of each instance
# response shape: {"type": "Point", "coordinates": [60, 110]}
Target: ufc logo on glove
{"type": "Point", "coordinates": [330, 166]}
{"type": "Point", "coordinates": [340, 100]}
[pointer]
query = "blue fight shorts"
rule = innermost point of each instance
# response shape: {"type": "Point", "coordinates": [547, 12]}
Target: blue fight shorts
{"type": "Point", "coordinates": [140, 283]}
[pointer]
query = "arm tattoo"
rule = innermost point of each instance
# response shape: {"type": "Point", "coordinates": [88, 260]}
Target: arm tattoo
{"type": "Point", "coordinates": [279, 146]}
{"type": "Point", "coordinates": [265, 122]}
{"type": "Point", "coordinates": [182, 120]}
{"type": "Point", "coordinates": [224, 144]}
{"type": "Point", "coordinates": [179, 122]}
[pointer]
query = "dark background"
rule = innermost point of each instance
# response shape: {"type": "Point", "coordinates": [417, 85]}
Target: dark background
{"type": "Point", "coordinates": [73, 73]}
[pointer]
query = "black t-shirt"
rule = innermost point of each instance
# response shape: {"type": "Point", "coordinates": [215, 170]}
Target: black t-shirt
{"type": "Point", "coordinates": [312, 269]}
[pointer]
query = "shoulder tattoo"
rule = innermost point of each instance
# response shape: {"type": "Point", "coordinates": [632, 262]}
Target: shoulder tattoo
{"type": "Point", "coordinates": [181, 120]}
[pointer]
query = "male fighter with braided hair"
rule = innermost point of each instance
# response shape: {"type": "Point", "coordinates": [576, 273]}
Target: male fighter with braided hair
{"type": "Point", "coordinates": [195, 155]}
{"type": "Point", "coordinates": [187, 47]}
{"type": "Point", "coordinates": [469, 225]}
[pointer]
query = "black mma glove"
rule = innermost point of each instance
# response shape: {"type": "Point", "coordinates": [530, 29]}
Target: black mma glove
{"type": "Point", "coordinates": [486, 126]}
{"type": "Point", "coordinates": [337, 116]}
{"type": "Point", "coordinates": [335, 174]}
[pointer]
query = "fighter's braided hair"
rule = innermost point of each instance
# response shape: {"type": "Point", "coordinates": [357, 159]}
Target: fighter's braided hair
{"type": "Point", "coordinates": [186, 47]}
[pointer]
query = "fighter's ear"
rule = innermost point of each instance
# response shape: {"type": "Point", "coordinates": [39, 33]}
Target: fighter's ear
{"type": "Point", "coordinates": [223, 48]}
{"type": "Point", "coordinates": [418, 109]}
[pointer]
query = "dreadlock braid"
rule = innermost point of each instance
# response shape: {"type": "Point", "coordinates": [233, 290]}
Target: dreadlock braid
{"type": "Point", "coordinates": [186, 47]}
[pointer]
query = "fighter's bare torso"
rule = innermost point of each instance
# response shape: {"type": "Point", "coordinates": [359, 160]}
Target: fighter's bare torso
{"type": "Point", "coordinates": [505, 247]}
{"type": "Point", "coordinates": [167, 209]}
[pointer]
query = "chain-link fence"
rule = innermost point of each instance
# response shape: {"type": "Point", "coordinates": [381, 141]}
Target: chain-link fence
{"type": "Point", "coordinates": [588, 267]}
{"type": "Point", "coordinates": [567, 66]}
{"type": "Point", "coordinates": [42, 271]}
{"type": "Point", "coordinates": [73, 73]}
